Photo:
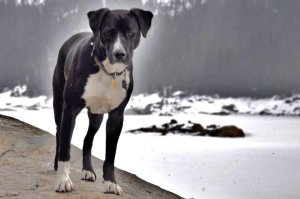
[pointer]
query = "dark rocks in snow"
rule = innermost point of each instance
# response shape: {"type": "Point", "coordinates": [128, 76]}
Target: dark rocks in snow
{"type": "Point", "coordinates": [265, 112]}
{"type": "Point", "coordinates": [227, 110]}
{"type": "Point", "coordinates": [151, 129]}
{"type": "Point", "coordinates": [140, 111]}
{"type": "Point", "coordinates": [230, 108]}
{"type": "Point", "coordinates": [193, 129]}
{"type": "Point", "coordinates": [221, 113]}
{"type": "Point", "coordinates": [34, 107]}
{"type": "Point", "coordinates": [196, 127]}
{"type": "Point", "coordinates": [292, 99]}
{"type": "Point", "coordinates": [214, 105]}
{"type": "Point", "coordinates": [227, 131]}
{"type": "Point", "coordinates": [297, 110]}
{"type": "Point", "coordinates": [6, 109]}
{"type": "Point", "coordinates": [212, 126]}
{"type": "Point", "coordinates": [19, 91]}
{"type": "Point", "coordinates": [182, 108]}
{"type": "Point", "coordinates": [165, 114]}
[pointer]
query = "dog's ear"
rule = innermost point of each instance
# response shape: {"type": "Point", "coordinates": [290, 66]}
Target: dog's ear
{"type": "Point", "coordinates": [96, 18]}
{"type": "Point", "coordinates": [143, 18]}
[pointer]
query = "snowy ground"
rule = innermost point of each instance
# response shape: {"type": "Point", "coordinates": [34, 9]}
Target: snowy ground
{"type": "Point", "coordinates": [179, 102]}
{"type": "Point", "coordinates": [176, 103]}
{"type": "Point", "coordinates": [265, 164]}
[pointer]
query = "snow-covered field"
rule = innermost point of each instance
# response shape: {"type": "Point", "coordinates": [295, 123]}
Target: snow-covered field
{"type": "Point", "coordinates": [176, 103]}
{"type": "Point", "coordinates": [264, 164]}
{"type": "Point", "coordinates": [179, 102]}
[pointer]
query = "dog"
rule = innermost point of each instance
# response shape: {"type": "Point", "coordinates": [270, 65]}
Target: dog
{"type": "Point", "coordinates": [95, 70]}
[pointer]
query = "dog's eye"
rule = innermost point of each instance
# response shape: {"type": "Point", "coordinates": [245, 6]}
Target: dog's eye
{"type": "Point", "coordinates": [130, 34]}
{"type": "Point", "coordinates": [107, 34]}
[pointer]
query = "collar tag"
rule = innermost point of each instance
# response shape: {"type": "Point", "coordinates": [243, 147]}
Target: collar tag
{"type": "Point", "coordinates": [113, 80]}
{"type": "Point", "coordinates": [113, 83]}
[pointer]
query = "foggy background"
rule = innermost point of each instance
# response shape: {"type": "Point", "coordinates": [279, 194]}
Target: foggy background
{"type": "Point", "coordinates": [224, 47]}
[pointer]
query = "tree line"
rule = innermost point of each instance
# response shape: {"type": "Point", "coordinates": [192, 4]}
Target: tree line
{"type": "Point", "coordinates": [225, 47]}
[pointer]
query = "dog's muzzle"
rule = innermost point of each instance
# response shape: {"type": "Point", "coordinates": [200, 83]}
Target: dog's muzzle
{"type": "Point", "coordinates": [119, 56]}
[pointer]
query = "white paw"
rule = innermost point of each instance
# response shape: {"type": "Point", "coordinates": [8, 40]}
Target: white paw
{"type": "Point", "coordinates": [87, 175]}
{"type": "Point", "coordinates": [63, 182]}
{"type": "Point", "coordinates": [111, 187]}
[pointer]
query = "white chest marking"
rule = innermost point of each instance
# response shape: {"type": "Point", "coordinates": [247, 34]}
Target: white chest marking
{"type": "Point", "coordinates": [99, 95]}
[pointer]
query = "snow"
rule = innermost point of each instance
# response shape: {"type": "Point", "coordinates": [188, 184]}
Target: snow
{"type": "Point", "coordinates": [179, 102]}
{"type": "Point", "coordinates": [30, 2]}
{"type": "Point", "coordinates": [264, 164]}
{"type": "Point", "coordinates": [21, 102]}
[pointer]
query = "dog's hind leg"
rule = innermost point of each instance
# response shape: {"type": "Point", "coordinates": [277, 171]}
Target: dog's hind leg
{"type": "Point", "coordinates": [95, 121]}
{"type": "Point", "coordinates": [58, 88]}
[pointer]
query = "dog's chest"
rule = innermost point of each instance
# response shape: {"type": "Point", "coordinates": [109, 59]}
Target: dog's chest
{"type": "Point", "coordinates": [99, 94]}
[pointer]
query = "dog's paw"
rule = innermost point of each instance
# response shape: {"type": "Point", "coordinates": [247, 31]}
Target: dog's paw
{"type": "Point", "coordinates": [88, 175]}
{"type": "Point", "coordinates": [63, 182]}
{"type": "Point", "coordinates": [111, 187]}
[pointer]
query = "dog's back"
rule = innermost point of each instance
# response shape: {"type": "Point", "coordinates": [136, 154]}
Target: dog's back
{"type": "Point", "coordinates": [68, 50]}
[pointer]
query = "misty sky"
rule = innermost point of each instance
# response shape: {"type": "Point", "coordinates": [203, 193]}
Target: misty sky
{"type": "Point", "coordinates": [225, 47]}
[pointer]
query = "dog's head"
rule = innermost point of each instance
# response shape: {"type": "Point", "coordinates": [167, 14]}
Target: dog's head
{"type": "Point", "coordinates": [119, 33]}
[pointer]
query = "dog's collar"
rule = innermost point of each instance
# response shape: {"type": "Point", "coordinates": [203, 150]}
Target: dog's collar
{"type": "Point", "coordinates": [114, 74]}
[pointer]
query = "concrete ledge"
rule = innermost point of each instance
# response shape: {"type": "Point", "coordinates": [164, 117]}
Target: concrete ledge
{"type": "Point", "coordinates": [26, 168]}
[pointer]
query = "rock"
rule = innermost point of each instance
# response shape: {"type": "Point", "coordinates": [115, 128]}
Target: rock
{"type": "Point", "coordinates": [146, 110]}
{"type": "Point", "coordinates": [211, 127]}
{"type": "Point", "coordinates": [265, 112]}
{"type": "Point", "coordinates": [182, 108]}
{"type": "Point", "coordinates": [193, 129]}
{"type": "Point", "coordinates": [221, 113]}
{"type": "Point", "coordinates": [292, 100]}
{"type": "Point", "coordinates": [169, 124]}
{"type": "Point", "coordinates": [227, 131]}
{"type": "Point", "coordinates": [152, 129]}
{"type": "Point", "coordinates": [26, 168]}
{"type": "Point", "coordinates": [173, 121]}
{"type": "Point", "coordinates": [196, 127]}
{"type": "Point", "coordinates": [34, 107]}
{"type": "Point", "coordinates": [230, 108]}
{"type": "Point", "coordinates": [165, 114]}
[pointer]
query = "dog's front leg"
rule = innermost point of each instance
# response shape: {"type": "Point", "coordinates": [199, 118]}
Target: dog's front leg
{"type": "Point", "coordinates": [63, 182]}
{"type": "Point", "coordinates": [113, 130]}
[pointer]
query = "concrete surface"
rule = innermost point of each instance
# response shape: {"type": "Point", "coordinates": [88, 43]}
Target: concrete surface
{"type": "Point", "coordinates": [26, 168]}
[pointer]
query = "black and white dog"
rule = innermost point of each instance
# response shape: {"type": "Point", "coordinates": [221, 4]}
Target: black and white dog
{"type": "Point", "coordinates": [94, 70]}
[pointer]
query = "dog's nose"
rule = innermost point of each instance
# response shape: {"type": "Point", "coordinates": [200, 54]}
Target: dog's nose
{"type": "Point", "coordinates": [119, 55]}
